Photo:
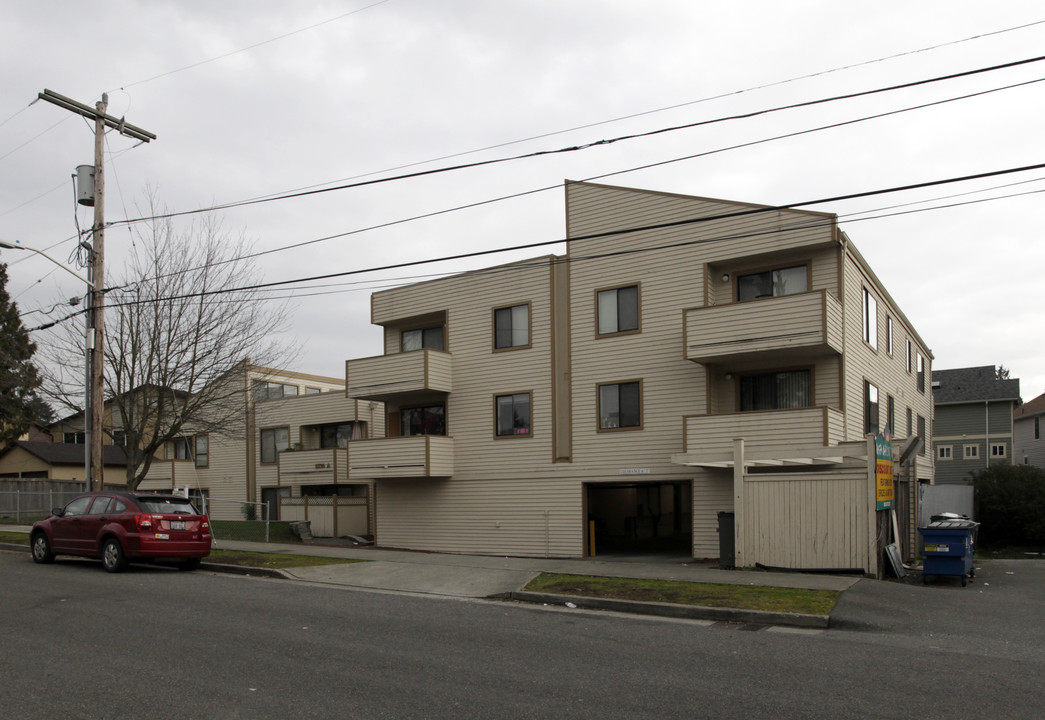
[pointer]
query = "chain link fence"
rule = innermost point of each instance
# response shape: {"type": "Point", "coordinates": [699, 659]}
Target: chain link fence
{"type": "Point", "coordinates": [24, 507]}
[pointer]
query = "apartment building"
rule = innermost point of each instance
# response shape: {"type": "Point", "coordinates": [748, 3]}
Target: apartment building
{"type": "Point", "coordinates": [224, 467]}
{"type": "Point", "coordinates": [974, 409]}
{"type": "Point", "coordinates": [683, 352]}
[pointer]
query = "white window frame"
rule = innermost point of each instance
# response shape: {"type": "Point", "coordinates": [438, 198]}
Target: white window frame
{"type": "Point", "coordinates": [945, 452]}
{"type": "Point", "coordinates": [971, 452]}
{"type": "Point", "coordinates": [1000, 448]}
{"type": "Point", "coordinates": [870, 318]}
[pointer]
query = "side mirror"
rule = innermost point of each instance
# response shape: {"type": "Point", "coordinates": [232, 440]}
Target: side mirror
{"type": "Point", "coordinates": [57, 512]}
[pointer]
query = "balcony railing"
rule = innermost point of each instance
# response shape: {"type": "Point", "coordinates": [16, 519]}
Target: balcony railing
{"type": "Point", "coordinates": [416, 456]}
{"type": "Point", "coordinates": [400, 375]}
{"type": "Point", "coordinates": [313, 467]}
{"type": "Point", "coordinates": [768, 431]}
{"type": "Point", "coordinates": [798, 324]}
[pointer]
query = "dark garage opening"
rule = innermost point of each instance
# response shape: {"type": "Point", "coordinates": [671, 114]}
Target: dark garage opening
{"type": "Point", "coordinates": [640, 519]}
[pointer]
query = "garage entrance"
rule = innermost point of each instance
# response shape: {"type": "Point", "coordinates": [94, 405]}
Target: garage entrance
{"type": "Point", "coordinates": [639, 518]}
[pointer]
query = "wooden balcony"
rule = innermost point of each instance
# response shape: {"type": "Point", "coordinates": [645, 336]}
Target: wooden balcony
{"type": "Point", "coordinates": [416, 456]}
{"type": "Point", "coordinates": [313, 467]}
{"type": "Point", "coordinates": [415, 375]}
{"type": "Point", "coordinates": [771, 431]}
{"type": "Point", "coordinates": [789, 326]}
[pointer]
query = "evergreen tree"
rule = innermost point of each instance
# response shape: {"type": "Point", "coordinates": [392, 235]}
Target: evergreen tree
{"type": "Point", "coordinates": [19, 404]}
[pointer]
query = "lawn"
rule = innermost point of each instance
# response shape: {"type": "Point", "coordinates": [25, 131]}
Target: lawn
{"type": "Point", "coordinates": [744, 597]}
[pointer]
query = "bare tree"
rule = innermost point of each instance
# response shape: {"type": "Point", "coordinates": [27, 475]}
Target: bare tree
{"type": "Point", "coordinates": [182, 326]}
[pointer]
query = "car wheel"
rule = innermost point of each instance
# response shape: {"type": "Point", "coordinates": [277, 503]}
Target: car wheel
{"type": "Point", "coordinates": [42, 549]}
{"type": "Point", "coordinates": [113, 559]}
{"type": "Point", "coordinates": [190, 564]}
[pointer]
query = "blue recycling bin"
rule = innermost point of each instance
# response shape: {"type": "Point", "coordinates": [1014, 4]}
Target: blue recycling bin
{"type": "Point", "coordinates": [947, 545]}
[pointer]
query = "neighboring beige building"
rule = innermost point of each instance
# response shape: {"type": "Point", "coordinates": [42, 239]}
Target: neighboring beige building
{"type": "Point", "coordinates": [40, 459]}
{"type": "Point", "coordinates": [568, 405]}
{"type": "Point", "coordinates": [225, 467]}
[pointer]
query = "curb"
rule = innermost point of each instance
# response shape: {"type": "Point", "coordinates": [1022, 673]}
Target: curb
{"type": "Point", "coordinates": [686, 612]}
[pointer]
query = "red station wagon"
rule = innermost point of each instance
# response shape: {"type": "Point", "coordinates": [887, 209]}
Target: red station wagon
{"type": "Point", "coordinates": [119, 527]}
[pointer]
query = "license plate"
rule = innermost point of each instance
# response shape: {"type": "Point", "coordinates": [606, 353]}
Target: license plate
{"type": "Point", "coordinates": [177, 524]}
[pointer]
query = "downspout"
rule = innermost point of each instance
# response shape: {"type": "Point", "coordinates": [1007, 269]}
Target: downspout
{"type": "Point", "coordinates": [987, 433]}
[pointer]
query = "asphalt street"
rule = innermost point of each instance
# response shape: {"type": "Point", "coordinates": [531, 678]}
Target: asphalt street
{"type": "Point", "coordinates": [80, 643]}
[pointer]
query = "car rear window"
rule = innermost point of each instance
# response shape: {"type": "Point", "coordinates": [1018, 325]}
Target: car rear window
{"type": "Point", "coordinates": [162, 505]}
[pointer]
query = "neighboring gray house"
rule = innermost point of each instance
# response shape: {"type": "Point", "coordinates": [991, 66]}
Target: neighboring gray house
{"type": "Point", "coordinates": [973, 421]}
{"type": "Point", "coordinates": [1027, 422]}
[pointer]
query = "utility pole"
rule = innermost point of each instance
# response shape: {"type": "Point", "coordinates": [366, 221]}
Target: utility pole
{"type": "Point", "coordinates": [95, 394]}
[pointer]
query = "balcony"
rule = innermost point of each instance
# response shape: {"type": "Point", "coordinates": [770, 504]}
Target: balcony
{"type": "Point", "coordinates": [416, 375]}
{"type": "Point", "coordinates": [788, 326]}
{"type": "Point", "coordinates": [416, 456]}
{"type": "Point", "coordinates": [768, 432]}
{"type": "Point", "coordinates": [313, 467]}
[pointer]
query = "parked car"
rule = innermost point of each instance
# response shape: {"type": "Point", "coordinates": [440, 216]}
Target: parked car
{"type": "Point", "coordinates": [119, 527]}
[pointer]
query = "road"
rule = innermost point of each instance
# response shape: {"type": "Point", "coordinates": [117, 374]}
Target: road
{"type": "Point", "coordinates": [80, 643]}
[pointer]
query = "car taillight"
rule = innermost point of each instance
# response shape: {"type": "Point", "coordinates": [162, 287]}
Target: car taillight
{"type": "Point", "coordinates": [204, 522]}
{"type": "Point", "coordinates": [143, 522]}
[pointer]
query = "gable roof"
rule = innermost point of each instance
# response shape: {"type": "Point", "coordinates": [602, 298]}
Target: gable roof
{"type": "Point", "coordinates": [972, 384]}
{"type": "Point", "coordinates": [67, 453]}
{"type": "Point", "coordinates": [1030, 408]}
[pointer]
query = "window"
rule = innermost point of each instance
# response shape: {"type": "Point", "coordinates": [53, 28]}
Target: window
{"type": "Point", "coordinates": [998, 451]}
{"type": "Point", "coordinates": [202, 451]}
{"type": "Point", "coordinates": [921, 373]}
{"type": "Point", "coordinates": [336, 435]}
{"type": "Point", "coordinates": [908, 356]}
{"type": "Point", "coordinates": [943, 452]}
{"type": "Point", "coordinates": [264, 390]}
{"type": "Point", "coordinates": [972, 452]}
{"type": "Point", "coordinates": [618, 310]}
{"type": "Point", "coordinates": [890, 415]}
{"type": "Point", "coordinates": [430, 337]}
{"type": "Point", "coordinates": [870, 408]}
{"type": "Point", "coordinates": [921, 435]}
{"type": "Point", "coordinates": [511, 327]}
{"type": "Point", "coordinates": [77, 506]}
{"type": "Point", "coordinates": [76, 438]}
{"type": "Point", "coordinates": [179, 449]}
{"type": "Point", "coordinates": [870, 317]}
{"type": "Point", "coordinates": [889, 334]}
{"type": "Point", "coordinates": [772, 283]}
{"type": "Point", "coordinates": [909, 426]}
{"type": "Point", "coordinates": [312, 391]}
{"type": "Point", "coordinates": [430, 420]}
{"type": "Point", "coordinates": [100, 506]}
{"type": "Point", "coordinates": [1037, 428]}
{"type": "Point", "coordinates": [620, 406]}
{"type": "Point", "coordinates": [776, 390]}
{"type": "Point", "coordinates": [513, 415]}
{"type": "Point", "coordinates": [273, 441]}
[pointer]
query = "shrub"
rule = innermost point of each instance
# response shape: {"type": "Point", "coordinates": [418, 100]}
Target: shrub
{"type": "Point", "coordinates": [1010, 502]}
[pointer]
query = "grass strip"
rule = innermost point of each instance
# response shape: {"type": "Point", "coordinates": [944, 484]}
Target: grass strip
{"type": "Point", "coordinates": [744, 597]}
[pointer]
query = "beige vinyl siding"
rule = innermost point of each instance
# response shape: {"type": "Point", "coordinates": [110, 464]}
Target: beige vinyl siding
{"type": "Point", "coordinates": [535, 518]}
{"type": "Point", "coordinates": [400, 372]}
{"type": "Point", "coordinates": [781, 431]}
{"type": "Point", "coordinates": [712, 494]}
{"type": "Point", "coordinates": [887, 372]}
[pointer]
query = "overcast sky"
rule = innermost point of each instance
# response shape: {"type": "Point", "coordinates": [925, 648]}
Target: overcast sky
{"type": "Point", "coordinates": [256, 98]}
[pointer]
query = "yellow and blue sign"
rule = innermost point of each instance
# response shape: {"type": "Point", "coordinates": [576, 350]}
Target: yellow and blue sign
{"type": "Point", "coordinates": [883, 452]}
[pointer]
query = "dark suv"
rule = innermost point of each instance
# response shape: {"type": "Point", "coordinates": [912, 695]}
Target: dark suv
{"type": "Point", "coordinates": [119, 527]}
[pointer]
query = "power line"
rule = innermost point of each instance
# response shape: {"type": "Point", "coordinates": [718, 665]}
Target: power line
{"type": "Point", "coordinates": [591, 236]}
{"type": "Point", "coordinates": [610, 174]}
{"type": "Point", "coordinates": [596, 143]}
{"type": "Point", "coordinates": [645, 112]}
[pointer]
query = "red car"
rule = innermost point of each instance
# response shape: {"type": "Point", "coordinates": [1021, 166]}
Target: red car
{"type": "Point", "coordinates": [119, 527]}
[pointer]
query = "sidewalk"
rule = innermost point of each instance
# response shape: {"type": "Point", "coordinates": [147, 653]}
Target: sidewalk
{"type": "Point", "coordinates": [477, 576]}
